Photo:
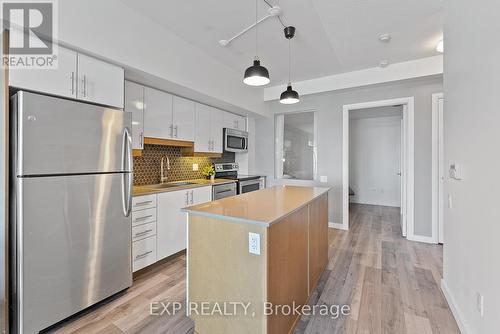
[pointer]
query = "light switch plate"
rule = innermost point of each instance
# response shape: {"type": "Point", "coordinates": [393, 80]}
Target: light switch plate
{"type": "Point", "coordinates": [195, 167]}
{"type": "Point", "coordinates": [254, 243]}
{"type": "Point", "coordinates": [323, 178]}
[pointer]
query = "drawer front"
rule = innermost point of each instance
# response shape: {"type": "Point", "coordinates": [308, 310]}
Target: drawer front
{"type": "Point", "coordinates": [143, 253]}
{"type": "Point", "coordinates": [143, 216]}
{"type": "Point", "coordinates": [143, 202]}
{"type": "Point", "coordinates": [143, 231]}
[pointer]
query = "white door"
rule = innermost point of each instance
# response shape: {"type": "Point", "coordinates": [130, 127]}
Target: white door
{"type": "Point", "coordinates": [440, 169]}
{"type": "Point", "coordinates": [134, 103]}
{"type": "Point", "coordinates": [61, 81]}
{"type": "Point", "coordinates": [100, 82]}
{"type": "Point", "coordinates": [157, 114]}
{"type": "Point", "coordinates": [183, 119]}
{"type": "Point", "coordinates": [216, 126]}
{"type": "Point", "coordinates": [203, 140]}
{"type": "Point", "coordinates": [171, 231]}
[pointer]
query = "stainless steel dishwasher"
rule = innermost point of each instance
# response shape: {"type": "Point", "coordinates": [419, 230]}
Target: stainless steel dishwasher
{"type": "Point", "coordinates": [223, 190]}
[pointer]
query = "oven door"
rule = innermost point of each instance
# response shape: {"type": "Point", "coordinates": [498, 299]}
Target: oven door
{"type": "Point", "coordinates": [248, 186]}
{"type": "Point", "coordinates": [235, 140]}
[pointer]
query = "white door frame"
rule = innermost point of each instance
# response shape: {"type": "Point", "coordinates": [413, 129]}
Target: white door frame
{"type": "Point", "coordinates": [408, 104]}
{"type": "Point", "coordinates": [437, 168]}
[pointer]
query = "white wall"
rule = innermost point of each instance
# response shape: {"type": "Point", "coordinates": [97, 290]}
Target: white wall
{"type": "Point", "coordinates": [329, 140]}
{"type": "Point", "coordinates": [114, 31]}
{"type": "Point", "coordinates": [374, 160]}
{"type": "Point", "coordinates": [472, 135]}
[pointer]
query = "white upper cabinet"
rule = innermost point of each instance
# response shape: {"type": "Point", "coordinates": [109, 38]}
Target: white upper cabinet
{"type": "Point", "coordinates": [77, 76]}
{"type": "Point", "coordinates": [100, 82]}
{"type": "Point", "coordinates": [216, 129]}
{"type": "Point", "coordinates": [183, 119]}
{"type": "Point", "coordinates": [203, 138]}
{"type": "Point", "coordinates": [61, 81]}
{"type": "Point", "coordinates": [158, 114]}
{"type": "Point", "coordinates": [233, 121]}
{"type": "Point", "coordinates": [208, 130]}
{"type": "Point", "coordinates": [134, 103]}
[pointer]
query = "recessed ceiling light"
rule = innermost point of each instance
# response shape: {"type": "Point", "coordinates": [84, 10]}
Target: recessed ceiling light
{"type": "Point", "coordinates": [440, 46]}
{"type": "Point", "coordinates": [383, 63]}
{"type": "Point", "coordinates": [386, 38]}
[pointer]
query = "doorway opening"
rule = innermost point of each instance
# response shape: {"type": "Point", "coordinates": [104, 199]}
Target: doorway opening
{"type": "Point", "coordinates": [381, 174]}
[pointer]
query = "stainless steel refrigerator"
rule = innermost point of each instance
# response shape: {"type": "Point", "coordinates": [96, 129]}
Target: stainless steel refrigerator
{"type": "Point", "coordinates": [70, 219]}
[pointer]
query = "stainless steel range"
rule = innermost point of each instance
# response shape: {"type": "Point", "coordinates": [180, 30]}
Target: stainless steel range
{"type": "Point", "coordinates": [245, 183]}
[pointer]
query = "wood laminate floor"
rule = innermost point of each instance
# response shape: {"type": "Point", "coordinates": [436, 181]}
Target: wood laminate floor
{"type": "Point", "coordinates": [390, 284]}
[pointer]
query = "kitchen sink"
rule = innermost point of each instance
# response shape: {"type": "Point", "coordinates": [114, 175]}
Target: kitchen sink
{"type": "Point", "coordinates": [170, 185]}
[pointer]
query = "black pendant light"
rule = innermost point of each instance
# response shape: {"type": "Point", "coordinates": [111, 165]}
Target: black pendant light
{"type": "Point", "coordinates": [289, 96]}
{"type": "Point", "coordinates": [256, 75]}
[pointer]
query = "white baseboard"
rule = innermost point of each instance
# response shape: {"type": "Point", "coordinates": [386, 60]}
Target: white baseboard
{"type": "Point", "coordinates": [454, 308]}
{"type": "Point", "coordinates": [337, 226]}
{"type": "Point", "coordinates": [421, 238]}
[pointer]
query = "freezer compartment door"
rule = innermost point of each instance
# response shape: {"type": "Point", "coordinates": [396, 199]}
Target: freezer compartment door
{"type": "Point", "coordinates": [73, 246]}
{"type": "Point", "coordinates": [57, 136]}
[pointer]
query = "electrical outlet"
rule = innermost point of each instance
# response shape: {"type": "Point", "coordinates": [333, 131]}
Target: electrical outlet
{"type": "Point", "coordinates": [195, 167]}
{"type": "Point", "coordinates": [480, 303]}
{"type": "Point", "coordinates": [254, 243]}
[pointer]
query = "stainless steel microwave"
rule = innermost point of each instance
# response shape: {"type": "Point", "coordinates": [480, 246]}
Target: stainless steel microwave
{"type": "Point", "coordinates": [235, 140]}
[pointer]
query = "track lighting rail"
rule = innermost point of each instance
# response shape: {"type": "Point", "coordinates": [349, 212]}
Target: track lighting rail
{"type": "Point", "coordinates": [272, 12]}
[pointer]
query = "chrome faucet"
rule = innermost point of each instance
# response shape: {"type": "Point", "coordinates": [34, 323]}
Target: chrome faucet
{"type": "Point", "coordinates": [163, 177]}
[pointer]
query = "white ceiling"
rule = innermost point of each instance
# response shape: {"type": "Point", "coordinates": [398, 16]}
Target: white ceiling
{"type": "Point", "coordinates": [332, 36]}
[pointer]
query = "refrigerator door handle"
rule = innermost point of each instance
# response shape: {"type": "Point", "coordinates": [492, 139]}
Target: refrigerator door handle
{"type": "Point", "coordinates": [127, 179]}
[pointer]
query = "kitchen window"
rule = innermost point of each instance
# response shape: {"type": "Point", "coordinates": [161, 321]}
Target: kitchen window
{"type": "Point", "coordinates": [295, 146]}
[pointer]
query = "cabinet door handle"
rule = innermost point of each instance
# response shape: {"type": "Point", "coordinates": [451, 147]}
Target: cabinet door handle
{"type": "Point", "coordinates": [175, 129]}
{"type": "Point", "coordinates": [142, 139]}
{"type": "Point", "coordinates": [171, 128]}
{"type": "Point", "coordinates": [140, 256]}
{"type": "Point", "coordinates": [187, 197]}
{"type": "Point", "coordinates": [72, 79]}
{"type": "Point", "coordinates": [140, 219]}
{"type": "Point", "coordinates": [140, 234]}
{"type": "Point", "coordinates": [84, 82]}
{"type": "Point", "coordinates": [143, 203]}
{"type": "Point", "coordinates": [192, 197]}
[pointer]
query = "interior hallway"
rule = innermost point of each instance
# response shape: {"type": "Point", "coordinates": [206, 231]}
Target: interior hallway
{"type": "Point", "coordinates": [391, 284]}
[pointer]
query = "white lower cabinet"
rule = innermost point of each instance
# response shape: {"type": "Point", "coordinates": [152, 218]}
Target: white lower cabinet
{"type": "Point", "coordinates": [143, 231]}
{"type": "Point", "coordinates": [143, 253]}
{"type": "Point", "coordinates": [171, 222]}
{"type": "Point", "coordinates": [158, 225]}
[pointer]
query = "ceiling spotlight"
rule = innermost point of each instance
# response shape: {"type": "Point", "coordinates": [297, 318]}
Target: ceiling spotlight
{"type": "Point", "coordinates": [386, 38]}
{"type": "Point", "coordinates": [440, 46]}
{"type": "Point", "coordinates": [383, 63]}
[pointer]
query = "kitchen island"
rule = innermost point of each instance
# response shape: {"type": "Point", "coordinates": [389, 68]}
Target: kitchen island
{"type": "Point", "coordinates": [263, 248]}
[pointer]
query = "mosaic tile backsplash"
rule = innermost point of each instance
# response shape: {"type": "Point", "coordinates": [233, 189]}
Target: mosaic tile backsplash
{"type": "Point", "coordinates": [147, 166]}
